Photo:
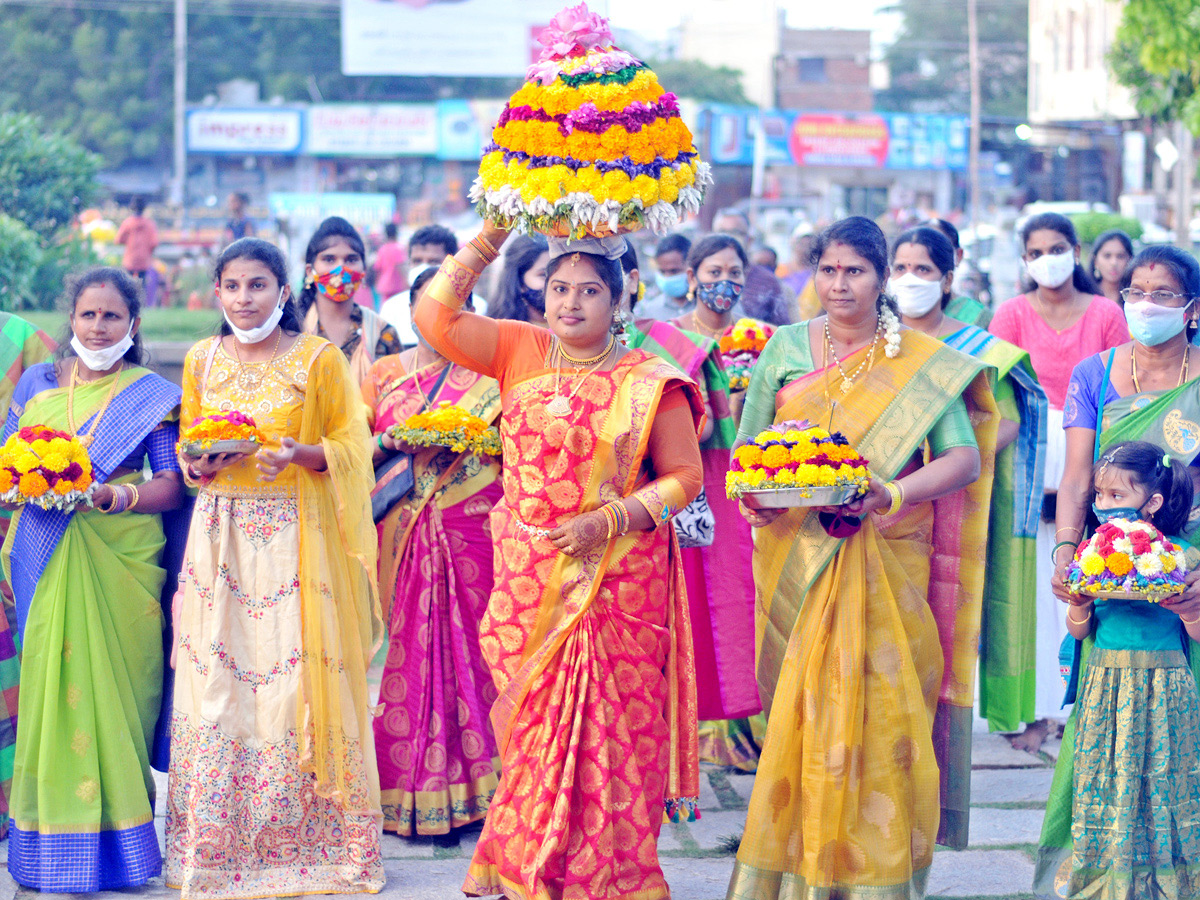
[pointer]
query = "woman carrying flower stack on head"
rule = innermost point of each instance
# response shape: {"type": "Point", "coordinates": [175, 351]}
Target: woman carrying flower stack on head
{"type": "Point", "coordinates": [273, 784]}
{"type": "Point", "coordinates": [438, 762]}
{"type": "Point", "coordinates": [335, 264]}
{"type": "Point", "coordinates": [88, 585]}
{"type": "Point", "coordinates": [922, 277]}
{"type": "Point", "coordinates": [867, 640]}
{"type": "Point", "coordinates": [1129, 791]}
{"type": "Point", "coordinates": [586, 631]}
{"type": "Point", "coordinates": [720, 583]}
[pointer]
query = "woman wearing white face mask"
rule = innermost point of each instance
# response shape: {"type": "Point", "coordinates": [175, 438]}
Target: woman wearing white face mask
{"type": "Point", "coordinates": [922, 281]}
{"type": "Point", "coordinates": [1060, 321]}
{"type": "Point", "coordinates": [1144, 389]}
{"type": "Point", "coordinates": [278, 612]}
{"type": "Point", "coordinates": [89, 588]}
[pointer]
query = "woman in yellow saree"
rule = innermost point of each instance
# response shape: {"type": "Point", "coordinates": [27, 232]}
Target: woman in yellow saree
{"type": "Point", "coordinates": [586, 631]}
{"type": "Point", "coordinates": [867, 641]}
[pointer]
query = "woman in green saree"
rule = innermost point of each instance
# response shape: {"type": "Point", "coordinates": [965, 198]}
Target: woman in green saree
{"type": "Point", "coordinates": [88, 589]}
{"type": "Point", "coordinates": [1141, 390]}
{"type": "Point", "coordinates": [923, 263]}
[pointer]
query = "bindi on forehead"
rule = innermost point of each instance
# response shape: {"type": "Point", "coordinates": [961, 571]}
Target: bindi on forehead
{"type": "Point", "coordinates": [1153, 266]}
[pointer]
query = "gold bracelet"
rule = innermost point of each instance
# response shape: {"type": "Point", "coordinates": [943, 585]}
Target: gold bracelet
{"type": "Point", "coordinates": [1077, 621]}
{"type": "Point", "coordinates": [1195, 621]}
{"type": "Point", "coordinates": [112, 503]}
{"type": "Point", "coordinates": [488, 244]}
{"type": "Point", "coordinates": [1078, 531]}
{"type": "Point", "coordinates": [896, 490]}
{"type": "Point", "coordinates": [133, 497]}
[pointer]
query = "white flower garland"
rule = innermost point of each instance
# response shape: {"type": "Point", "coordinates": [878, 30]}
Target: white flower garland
{"type": "Point", "coordinates": [891, 332]}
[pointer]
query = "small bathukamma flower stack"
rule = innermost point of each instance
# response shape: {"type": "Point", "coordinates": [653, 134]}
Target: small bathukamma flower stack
{"type": "Point", "coordinates": [591, 145]}
{"type": "Point", "coordinates": [1128, 560]}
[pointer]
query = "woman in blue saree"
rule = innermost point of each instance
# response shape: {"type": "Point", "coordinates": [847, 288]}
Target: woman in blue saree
{"type": "Point", "coordinates": [88, 587]}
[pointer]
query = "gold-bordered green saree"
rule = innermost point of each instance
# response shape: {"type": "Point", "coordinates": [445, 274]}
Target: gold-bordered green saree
{"type": "Point", "coordinates": [867, 645]}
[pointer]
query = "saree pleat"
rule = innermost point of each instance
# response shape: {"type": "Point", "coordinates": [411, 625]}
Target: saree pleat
{"type": "Point", "coordinates": [866, 654]}
{"type": "Point", "coordinates": [591, 657]}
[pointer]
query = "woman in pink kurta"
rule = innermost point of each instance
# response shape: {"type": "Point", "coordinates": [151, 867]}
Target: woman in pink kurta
{"type": "Point", "coordinates": [1060, 322]}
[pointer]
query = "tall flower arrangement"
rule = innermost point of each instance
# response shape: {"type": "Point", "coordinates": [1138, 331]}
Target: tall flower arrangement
{"type": "Point", "coordinates": [591, 144]}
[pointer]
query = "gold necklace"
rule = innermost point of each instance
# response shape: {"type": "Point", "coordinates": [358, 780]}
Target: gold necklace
{"type": "Point", "coordinates": [1133, 374]}
{"type": "Point", "coordinates": [274, 350]}
{"type": "Point", "coordinates": [868, 361]}
{"type": "Point", "coordinates": [560, 406]}
{"type": "Point", "coordinates": [704, 329]}
{"type": "Point", "coordinates": [580, 363]}
{"type": "Point", "coordinates": [86, 437]}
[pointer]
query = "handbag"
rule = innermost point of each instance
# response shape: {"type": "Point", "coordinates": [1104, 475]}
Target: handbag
{"type": "Point", "coordinates": [394, 477]}
{"type": "Point", "coordinates": [695, 523]}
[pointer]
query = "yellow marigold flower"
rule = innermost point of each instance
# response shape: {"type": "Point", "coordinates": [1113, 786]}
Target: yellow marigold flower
{"type": "Point", "coordinates": [1091, 563]}
{"type": "Point", "coordinates": [776, 456]}
{"type": "Point", "coordinates": [40, 446]}
{"type": "Point", "coordinates": [1167, 559]}
{"type": "Point", "coordinates": [764, 436]}
{"type": "Point", "coordinates": [32, 484]}
{"type": "Point", "coordinates": [785, 476]}
{"type": "Point", "coordinates": [1119, 563]}
{"type": "Point", "coordinates": [749, 455]}
{"type": "Point", "coordinates": [56, 460]}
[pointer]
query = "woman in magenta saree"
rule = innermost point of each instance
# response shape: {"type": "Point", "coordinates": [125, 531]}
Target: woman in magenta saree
{"type": "Point", "coordinates": [438, 763]}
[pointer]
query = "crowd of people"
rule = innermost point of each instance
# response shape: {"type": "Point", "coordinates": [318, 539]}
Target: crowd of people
{"type": "Point", "coordinates": [570, 628]}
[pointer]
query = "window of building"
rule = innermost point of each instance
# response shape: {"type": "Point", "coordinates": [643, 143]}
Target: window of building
{"type": "Point", "coordinates": [811, 69]}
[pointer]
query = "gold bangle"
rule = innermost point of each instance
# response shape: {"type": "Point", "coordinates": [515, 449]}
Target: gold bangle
{"type": "Point", "coordinates": [1077, 621]}
{"type": "Point", "coordinates": [1195, 621]}
{"type": "Point", "coordinates": [896, 490]}
{"type": "Point", "coordinates": [112, 502]}
{"type": "Point", "coordinates": [488, 244]}
{"type": "Point", "coordinates": [1078, 531]}
{"type": "Point", "coordinates": [133, 497]}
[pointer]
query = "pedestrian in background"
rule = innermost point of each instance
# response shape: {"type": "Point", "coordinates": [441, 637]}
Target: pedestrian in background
{"type": "Point", "coordinates": [139, 237]}
{"type": "Point", "coordinates": [238, 225]}
{"type": "Point", "coordinates": [389, 264]}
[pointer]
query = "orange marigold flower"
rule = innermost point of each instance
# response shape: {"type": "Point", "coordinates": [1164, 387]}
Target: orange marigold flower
{"type": "Point", "coordinates": [1119, 563]}
{"type": "Point", "coordinates": [33, 484]}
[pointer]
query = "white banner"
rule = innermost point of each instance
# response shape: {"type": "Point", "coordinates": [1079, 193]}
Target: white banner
{"type": "Point", "coordinates": [372, 130]}
{"type": "Point", "coordinates": [244, 130]}
{"type": "Point", "coordinates": [445, 37]}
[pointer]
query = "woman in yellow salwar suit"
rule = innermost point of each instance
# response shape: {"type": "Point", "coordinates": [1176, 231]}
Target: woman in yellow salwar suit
{"type": "Point", "coordinates": [867, 632]}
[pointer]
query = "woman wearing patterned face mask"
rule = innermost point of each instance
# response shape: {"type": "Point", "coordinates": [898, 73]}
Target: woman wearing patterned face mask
{"type": "Point", "coordinates": [334, 268]}
{"type": "Point", "coordinates": [1060, 321]}
{"type": "Point", "coordinates": [716, 274]}
{"type": "Point", "coordinates": [522, 294]}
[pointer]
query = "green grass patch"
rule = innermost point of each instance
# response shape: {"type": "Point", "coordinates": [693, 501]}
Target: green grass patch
{"type": "Point", "coordinates": [729, 798]}
{"type": "Point", "coordinates": [159, 324]}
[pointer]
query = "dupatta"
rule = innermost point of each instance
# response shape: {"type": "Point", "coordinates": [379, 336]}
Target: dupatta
{"type": "Point", "coordinates": [337, 571]}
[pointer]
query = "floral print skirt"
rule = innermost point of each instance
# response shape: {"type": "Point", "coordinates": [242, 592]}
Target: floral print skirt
{"type": "Point", "coordinates": [1137, 778]}
{"type": "Point", "coordinates": [243, 820]}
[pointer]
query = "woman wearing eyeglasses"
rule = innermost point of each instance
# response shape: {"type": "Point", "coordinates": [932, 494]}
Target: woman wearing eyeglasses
{"type": "Point", "coordinates": [1144, 389]}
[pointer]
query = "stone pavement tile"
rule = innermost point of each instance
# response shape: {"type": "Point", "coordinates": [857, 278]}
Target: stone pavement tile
{"type": "Point", "coordinates": [980, 873]}
{"type": "Point", "coordinates": [992, 827]}
{"type": "Point", "coordinates": [1051, 748]}
{"type": "Point", "coordinates": [395, 847]}
{"type": "Point", "coordinates": [1010, 785]}
{"type": "Point", "coordinates": [708, 797]}
{"type": "Point", "coordinates": [741, 783]}
{"type": "Point", "coordinates": [698, 879]}
{"type": "Point", "coordinates": [993, 751]}
{"type": "Point", "coordinates": [711, 827]}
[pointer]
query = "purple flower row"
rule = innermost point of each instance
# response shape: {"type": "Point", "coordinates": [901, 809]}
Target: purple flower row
{"type": "Point", "coordinates": [590, 119]}
{"type": "Point", "coordinates": [630, 168]}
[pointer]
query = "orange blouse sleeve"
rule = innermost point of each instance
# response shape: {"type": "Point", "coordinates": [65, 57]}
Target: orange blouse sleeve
{"type": "Point", "coordinates": [675, 455]}
{"type": "Point", "coordinates": [500, 349]}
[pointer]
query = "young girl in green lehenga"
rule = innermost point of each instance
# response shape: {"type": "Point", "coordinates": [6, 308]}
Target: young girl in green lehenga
{"type": "Point", "coordinates": [1137, 723]}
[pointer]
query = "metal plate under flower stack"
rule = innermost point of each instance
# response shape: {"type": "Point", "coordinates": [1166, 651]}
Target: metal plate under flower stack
{"type": "Point", "coordinates": [1156, 596]}
{"type": "Point", "coordinates": [779, 498]}
{"type": "Point", "coordinates": [195, 449]}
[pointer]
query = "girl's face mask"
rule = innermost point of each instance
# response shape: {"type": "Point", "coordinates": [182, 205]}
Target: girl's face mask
{"type": "Point", "coordinates": [338, 284]}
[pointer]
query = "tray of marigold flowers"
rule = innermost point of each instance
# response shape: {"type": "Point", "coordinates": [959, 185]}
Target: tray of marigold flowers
{"type": "Point", "coordinates": [1128, 560]}
{"type": "Point", "coordinates": [796, 464]}
{"type": "Point", "coordinates": [447, 425]}
{"type": "Point", "coordinates": [740, 347]}
{"type": "Point", "coordinates": [45, 468]}
{"type": "Point", "coordinates": [229, 432]}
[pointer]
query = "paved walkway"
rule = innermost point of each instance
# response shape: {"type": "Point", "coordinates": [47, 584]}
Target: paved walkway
{"type": "Point", "coordinates": [1008, 794]}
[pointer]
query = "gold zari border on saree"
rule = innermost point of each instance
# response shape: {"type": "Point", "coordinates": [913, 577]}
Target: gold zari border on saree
{"type": "Point", "coordinates": [751, 883]}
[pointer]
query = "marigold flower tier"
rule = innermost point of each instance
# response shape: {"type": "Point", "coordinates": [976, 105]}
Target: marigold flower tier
{"type": "Point", "coordinates": [45, 467]}
{"type": "Point", "coordinates": [591, 144]}
{"type": "Point", "coordinates": [447, 425]}
{"type": "Point", "coordinates": [797, 464]}
{"type": "Point", "coordinates": [1128, 560]}
{"type": "Point", "coordinates": [231, 432]}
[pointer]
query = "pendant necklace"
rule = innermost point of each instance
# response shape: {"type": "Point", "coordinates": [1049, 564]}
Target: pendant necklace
{"type": "Point", "coordinates": [868, 361]}
{"type": "Point", "coordinates": [86, 438]}
{"type": "Point", "coordinates": [560, 406]}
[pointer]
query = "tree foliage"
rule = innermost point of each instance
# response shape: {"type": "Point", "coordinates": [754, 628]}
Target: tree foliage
{"type": "Point", "coordinates": [928, 61]}
{"type": "Point", "coordinates": [45, 178]}
{"type": "Point", "coordinates": [1155, 57]}
{"type": "Point", "coordinates": [699, 81]}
